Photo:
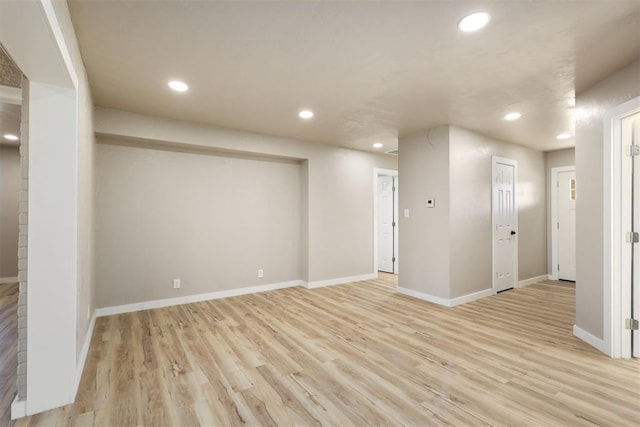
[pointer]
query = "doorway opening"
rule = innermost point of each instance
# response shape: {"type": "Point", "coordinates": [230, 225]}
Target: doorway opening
{"type": "Point", "coordinates": [385, 224]}
{"type": "Point", "coordinates": [563, 223]}
{"type": "Point", "coordinates": [621, 229]}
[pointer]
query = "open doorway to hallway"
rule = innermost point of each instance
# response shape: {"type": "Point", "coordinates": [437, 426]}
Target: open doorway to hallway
{"type": "Point", "coordinates": [386, 257]}
{"type": "Point", "coordinates": [10, 201]}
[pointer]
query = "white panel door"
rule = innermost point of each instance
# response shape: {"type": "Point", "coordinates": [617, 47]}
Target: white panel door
{"type": "Point", "coordinates": [385, 223]}
{"type": "Point", "coordinates": [566, 225]}
{"type": "Point", "coordinates": [631, 136]}
{"type": "Point", "coordinates": [395, 228]}
{"type": "Point", "coordinates": [505, 224]}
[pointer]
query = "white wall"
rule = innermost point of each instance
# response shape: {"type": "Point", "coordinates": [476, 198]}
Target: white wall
{"type": "Point", "coordinates": [9, 208]}
{"type": "Point", "coordinates": [554, 159]}
{"type": "Point", "coordinates": [447, 250]}
{"type": "Point", "coordinates": [39, 36]}
{"type": "Point", "coordinates": [206, 218]}
{"type": "Point", "coordinates": [591, 106]}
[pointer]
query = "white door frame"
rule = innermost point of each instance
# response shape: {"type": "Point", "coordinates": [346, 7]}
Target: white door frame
{"type": "Point", "coordinates": [376, 173]}
{"type": "Point", "coordinates": [554, 216]}
{"type": "Point", "coordinates": [494, 161]}
{"type": "Point", "coordinates": [616, 252]}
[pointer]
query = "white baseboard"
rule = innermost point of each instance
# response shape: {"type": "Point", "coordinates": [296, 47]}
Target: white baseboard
{"type": "Point", "coordinates": [590, 339]}
{"type": "Point", "coordinates": [532, 280]}
{"type": "Point", "coordinates": [339, 281]}
{"type": "Point", "coordinates": [471, 297]}
{"type": "Point", "coordinates": [18, 408]}
{"type": "Point", "coordinates": [444, 301]}
{"type": "Point", "coordinates": [84, 352]}
{"type": "Point", "coordinates": [425, 297]}
{"type": "Point", "coordinates": [5, 280]}
{"type": "Point", "coordinates": [167, 302]}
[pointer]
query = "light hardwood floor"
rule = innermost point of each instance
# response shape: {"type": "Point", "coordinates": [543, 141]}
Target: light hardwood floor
{"type": "Point", "coordinates": [356, 354]}
{"type": "Point", "coordinates": [8, 348]}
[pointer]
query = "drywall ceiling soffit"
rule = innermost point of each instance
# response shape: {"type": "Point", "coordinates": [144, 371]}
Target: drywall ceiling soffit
{"type": "Point", "coordinates": [371, 71]}
{"type": "Point", "coordinates": [10, 74]}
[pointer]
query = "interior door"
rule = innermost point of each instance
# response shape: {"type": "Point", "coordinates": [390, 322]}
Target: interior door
{"type": "Point", "coordinates": [505, 224]}
{"type": "Point", "coordinates": [396, 265]}
{"type": "Point", "coordinates": [385, 223]}
{"type": "Point", "coordinates": [566, 225]}
{"type": "Point", "coordinates": [631, 136]}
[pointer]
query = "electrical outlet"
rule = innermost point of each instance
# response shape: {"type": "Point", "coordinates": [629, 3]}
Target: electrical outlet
{"type": "Point", "coordinates": [260, 274]}
{"type": "Point", "coordinates": [431, 203]}
{"type": "Point", "coordinates": [176, 284]}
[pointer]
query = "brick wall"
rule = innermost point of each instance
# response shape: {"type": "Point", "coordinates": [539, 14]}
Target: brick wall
{"type": "Point", "coordinates": [22, 243]}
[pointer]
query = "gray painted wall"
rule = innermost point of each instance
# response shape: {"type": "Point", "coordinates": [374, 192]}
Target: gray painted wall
{"type": "Point", "coordinates": [591, 106]}
{"type": "Point", "coordinates": [471, 246]}
{"type": "Point", "coordinates": [209, 220]}
{"type": "Point", "coordinates": [9, 210]}
{"type": "Point", "coordinates": [446, 251]}
{"type": "Point", "coordinates": [554, 159]}
{"type": "Point", "coordinates": [424, 237]}
{"type": "Point", "coordinates": [340, 183]}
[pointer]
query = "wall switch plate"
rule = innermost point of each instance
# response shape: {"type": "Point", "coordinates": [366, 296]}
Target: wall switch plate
{"type": "Point", "coordinates": [431, 203]}
{"type": "Point", "coordinates": [406, 213]}
{"type": "Point", "coordinates": [176, 284]}
{"type": "Point", "coordinates": [260, 274]}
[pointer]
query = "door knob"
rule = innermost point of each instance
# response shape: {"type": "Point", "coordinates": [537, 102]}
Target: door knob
{"type": "Point", "coordinates": [513, 233]}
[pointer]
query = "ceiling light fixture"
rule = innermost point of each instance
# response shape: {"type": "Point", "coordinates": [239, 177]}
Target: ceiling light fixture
{"type": "Point", "coordinates": [178, 86]}
{"type": "Point", "coordinates": [377, 145]}
{"type": "Point", "coordinates": [512, 116]}
{"type": "Point", "coordinates": [10, 137]}
{"type": "Point", "coordinates": [473, 22]}
{"type": "Point", "coordinates": [305, 114]}
{"type": "Point", "coordinates": [564, 135]}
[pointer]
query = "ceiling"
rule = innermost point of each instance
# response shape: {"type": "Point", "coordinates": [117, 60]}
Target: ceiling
{"type": "Point", "coordinates": [371, 71]}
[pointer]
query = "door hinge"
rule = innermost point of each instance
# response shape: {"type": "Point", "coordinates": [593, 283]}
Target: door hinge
{"type": "Point", "coordinates": [632, 324]}
{"type": "Point", "coordinates": [393, 224]}
{"type": "Point", "coordinates": [393, 188]}
{"type": "Point", "coordinates": [393, 259]}
{"type": "Point", "coordinates": [633, 150]}
{"type": "Point", "coordinates": [633, 237]}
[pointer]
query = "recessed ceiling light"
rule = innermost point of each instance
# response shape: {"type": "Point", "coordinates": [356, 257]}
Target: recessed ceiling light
{"type": "Point", "coordinates": [473, 22]}
{"type": "Point", "coordinates": [512, 116]}
{"type": "Point", "coordinates": [377, 145]}
{"type": "Point", "coordinates": [305, 114]}
{"type": "Point", "coordinates": [10, 137]}
{"type": "Point", "coordinates": [564, 135]}
{"type": "Point", "coordinates": [178, 86]}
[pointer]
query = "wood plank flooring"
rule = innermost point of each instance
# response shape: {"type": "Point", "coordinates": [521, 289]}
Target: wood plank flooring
{"type": "Point", "coordinates": [352, 355]}
{"type": "Point", "coordinates": [8, 349]}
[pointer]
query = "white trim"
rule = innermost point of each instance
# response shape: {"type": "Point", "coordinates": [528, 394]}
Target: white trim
{"type": "Point", "coordinates": [494, 161]}
{"type": "Point", "coordinates": [592, 340]}
{"type": "Point", "coordinates": [10, 95]}
{"type": "Point", "coordinates": [339, 281]}
{"type": "Point", "coordinates": [554, 216]}
{"type": "Point", "coordinates": [444, 301]}
{"type": "Point", "coordinates": [376, 173]}
{"type": "Point", "coordinates": [532, 280]}
{"type": "Point", "coordinates": [85, 351]}
{"type": "Point", "coordinates": [167, 302]}
{"type": "Point", "coordinates": [471, 297]}
{"type": "Point", "coordinates": [614, 246]}
{"type": "Point", "coordinates": [5, 280]}
{"type": "Point", "coordinates": [423, 296]}
{"type": "Point", "coordinates": [18, 408]}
